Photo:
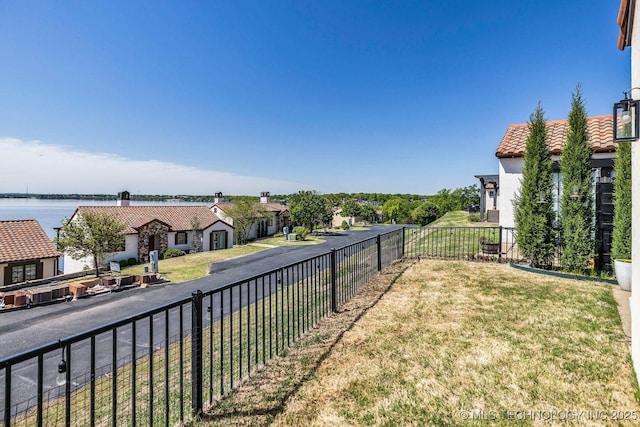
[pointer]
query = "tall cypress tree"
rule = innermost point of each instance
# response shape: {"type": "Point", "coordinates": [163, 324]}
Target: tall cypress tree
{"type": "Point", "coordinates": [621, 238]}
{"type": "Point", "coordinates": [576, 205]}
{"type": "Point", "coordinates": [533, 205]}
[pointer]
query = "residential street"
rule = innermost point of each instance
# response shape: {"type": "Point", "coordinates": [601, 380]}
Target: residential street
{"type": "Point", "coordinates": [23, 330]}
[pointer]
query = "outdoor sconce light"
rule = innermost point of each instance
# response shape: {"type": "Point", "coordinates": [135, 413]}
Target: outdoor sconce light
{"type": "Point", "coordinates": [542, 198]}
{"type": "Point", "coordinates": [61, 379]}
{"type": "Point", "coordinates": [208, 316]}
{"type": "Point", "coordinates": [626, 120]}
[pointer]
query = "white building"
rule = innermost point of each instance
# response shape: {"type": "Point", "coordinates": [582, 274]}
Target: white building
{"type": "Point", "coordinates": [510, 154]}
{"type": "Point", "coordinates": [158, 228]}
{"type": "Point", "coordinates": [277, 217]}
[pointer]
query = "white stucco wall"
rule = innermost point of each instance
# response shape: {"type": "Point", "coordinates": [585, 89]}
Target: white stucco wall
{"type": "Point", "coordinates": [131, 251]}
{"type": "Point", "coordinates": [634, 301]}
{"type": "Point", "coordinates": [510, 171]}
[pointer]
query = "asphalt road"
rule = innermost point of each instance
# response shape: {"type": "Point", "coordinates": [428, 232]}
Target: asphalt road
{"type": "Point", "coordinates": [23, 330]}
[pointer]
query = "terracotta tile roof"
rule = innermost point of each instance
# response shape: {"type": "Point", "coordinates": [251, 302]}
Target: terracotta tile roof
{"type": "Point", "coordinates": [176, 217]}
{"type": "Point", "coordinates": [600, 129]}
{"type": "Point", "coordinates": [22, 240]}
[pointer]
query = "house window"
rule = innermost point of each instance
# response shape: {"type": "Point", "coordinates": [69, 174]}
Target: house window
{"type": "Point", "coordinates": [17, 274]}
{"type": "Point", "coordinates": [22, 273]}
{"type": "Point", "coordinates": [30, 272]}
{"type": "Point", "coordinates": [181, 238]}
{"type": "Point", "coordinates": [492, 194]}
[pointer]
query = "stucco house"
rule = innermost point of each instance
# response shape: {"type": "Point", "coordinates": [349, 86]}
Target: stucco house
{"type": "Point", "coordinates": [489, 194]}
{"type": "Point", "coordinates": [278, 216]}
{"type": "Point", "coordinates": [158, 228]}
{"type": "Point", "coordinates": [26, 253]}
{"type": "Point", "coordinates": [510, 154]}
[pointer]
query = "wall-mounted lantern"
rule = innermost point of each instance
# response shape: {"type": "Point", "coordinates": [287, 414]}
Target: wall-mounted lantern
{"type": "Point", "coordinates": [626, 120]}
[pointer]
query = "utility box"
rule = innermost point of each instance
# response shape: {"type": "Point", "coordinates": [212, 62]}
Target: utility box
{"type": "Point", "coordinates": [292, 237]}
{"type": "Point", "coordinates": [153, 259]}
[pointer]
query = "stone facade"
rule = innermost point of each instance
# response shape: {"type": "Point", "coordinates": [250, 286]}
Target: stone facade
{"type": "Point", "coordinates": [151, 231]}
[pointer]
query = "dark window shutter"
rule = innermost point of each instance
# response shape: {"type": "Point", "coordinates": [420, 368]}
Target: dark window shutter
{"type": "Point", "coordinates": [7, 276]}
{"type": "Point", "coordinates": [39, 269]}
{"type": "Point", "coordinates": [175, 239]}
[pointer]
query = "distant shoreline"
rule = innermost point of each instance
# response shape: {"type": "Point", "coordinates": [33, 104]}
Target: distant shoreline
{"type": "Point", "coordinates": [109, 197]}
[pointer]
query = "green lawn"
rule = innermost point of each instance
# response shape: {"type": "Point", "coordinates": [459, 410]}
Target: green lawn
{"type": "Point", "coordinates": [459, 219]}
{"type": "Point", "coordinates": [448, 343]}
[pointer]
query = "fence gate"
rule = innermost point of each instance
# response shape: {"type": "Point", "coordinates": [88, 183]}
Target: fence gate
{"type": "Point", "coordinates": [604, 224]}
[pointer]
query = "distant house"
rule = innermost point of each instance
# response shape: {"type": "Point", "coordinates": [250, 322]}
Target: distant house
{"type": "Point", "coordinates": [489, 193]}
{"type": "Point", "coordinates": [278, 216]}
{"type": "Point", "coordinates": [510, 154]}
{"type": "Point", "coordinates": [338, 218]}
{"type": "Point", "coordinates": [26, 253]}
{"type": "Point", "coordinates": [158, 228]}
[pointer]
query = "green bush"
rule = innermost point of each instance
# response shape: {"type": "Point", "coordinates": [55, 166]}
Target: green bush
{"type": "Point", "coordinates": [475, 217]}
{"type": "Point", "coordinates": [123, 263]}
{"type": "Point", "coordinates": [301, 232]}
{"type": "Point", "coordinates": [279, 234]}
{"type": "Point", "coordinates": [344, 225]}
{"type": "Point", "coordinates": [132, 261]}
{"type": "Point", "coordinates": [172, 253]}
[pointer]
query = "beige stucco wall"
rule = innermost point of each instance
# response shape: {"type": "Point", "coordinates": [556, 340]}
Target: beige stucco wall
{"type": "Point", "coordinates": [48, 269]}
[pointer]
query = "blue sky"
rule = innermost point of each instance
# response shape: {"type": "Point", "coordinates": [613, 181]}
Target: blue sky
{"type": "Point", "coordinates": [196, 97]}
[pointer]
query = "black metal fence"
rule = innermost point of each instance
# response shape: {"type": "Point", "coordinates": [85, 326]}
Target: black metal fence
{"type": "Point", "coordinates": [163, 367]}
{"type": "Point", "coordinates": [469, 243]}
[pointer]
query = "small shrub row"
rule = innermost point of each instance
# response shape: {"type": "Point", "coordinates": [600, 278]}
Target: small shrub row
{"type": "Point", "coordinates": [173, 253]}
{"type": "Point", "coordinates": [128, 262]}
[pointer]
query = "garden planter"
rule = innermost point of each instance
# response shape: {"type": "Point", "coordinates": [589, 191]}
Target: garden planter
{"type": "Point", "coordinates": [490, 248]}
{"type": "Point", "coordinates": [623, 274]}
{"type": "Point", "coordinates": [20, 298]}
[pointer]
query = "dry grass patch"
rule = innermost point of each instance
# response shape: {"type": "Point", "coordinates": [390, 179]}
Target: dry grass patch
{"type": "Point", "coordinates": [450, 337]}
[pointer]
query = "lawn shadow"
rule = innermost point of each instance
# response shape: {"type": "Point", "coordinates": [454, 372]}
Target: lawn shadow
{"type": "Point", "coordinates": [261, 398]}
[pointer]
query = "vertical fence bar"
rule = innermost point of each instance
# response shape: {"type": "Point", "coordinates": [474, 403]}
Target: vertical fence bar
{"type": "Point", "coordinates": [133, 373]}
{"type": "Point", "coordinates": [500, 244]}
{"type": "Point", "coordinates": [151, 371]}
{"type": "Point", "coordinates": [7, 396]}
{"type": "Point", "coordinates": [403, 241]}
{"type": "Point", "coordinates": [181, 360]}
{"type": "Point", "coordinates": [114, 377]}
{"type": "Point", "coordinates": [221, 343]}
{"type": "Point", "coordinates": [92, 392]}
{"type": "Point", "coordinates": [67, 388]}
{"type": "Point", "coordinates": [379, 249]}
{"type": "Point", "coordinates": [334, 303]}
{"type": "Point", "coordinates": [166, 369]}
{"type": "Point", "coordinates": [40, 380]}
{"type": "Point", "coordinates": [196, 354]}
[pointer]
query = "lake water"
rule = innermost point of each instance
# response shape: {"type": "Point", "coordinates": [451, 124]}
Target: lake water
{"type": "Point", "coordinates": [51, 213]}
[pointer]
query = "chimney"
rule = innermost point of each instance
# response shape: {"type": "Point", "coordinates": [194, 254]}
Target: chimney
{"type": "Point", "coordinates": [123, 198]}
{"type": "Point", "coordinates": [264, 197]}
{"type": "Point", "coordinates": [217, 198]}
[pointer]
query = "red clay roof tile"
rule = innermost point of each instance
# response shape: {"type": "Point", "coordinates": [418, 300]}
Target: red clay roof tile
{"type": "Point", "coordinates": [599, 128]}
{"type": "Point", "coordinates": [177, 217]}
{"type": "Point", "coordinates": [22, 240]}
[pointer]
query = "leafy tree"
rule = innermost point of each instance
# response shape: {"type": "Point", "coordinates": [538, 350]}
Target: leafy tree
{"type": "Point", "coordinates": [309, 208]}
{"type": "Point", "coordinates": [621, 238]}
{"type": "Point", "coordinates": [91, 234]}
{"type": "Point", "coordinates": [576, 212]}
{"type": "Point", "coordinates": [368, 212]}
{"type": "Point", "coordinates": [245, 211]}
{"type": "Point", "coordinates": [351, 208]}
{"type": "Point", "coordinates": [533, 208]}
{"type": "Point", "coordinates": [397, 210]}
{"type": "Point", "coordinates": [426, 213]}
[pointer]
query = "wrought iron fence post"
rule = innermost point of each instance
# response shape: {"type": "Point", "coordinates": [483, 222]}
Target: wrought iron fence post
{"type": "Point", "coordinates": [403, 242]}
{"type": "Point", "coordinates": [196, 354]}
{"type": "Point", "coordinates": [334, 302]}
{"type": "Point", "coordinates": [379, 249]}
{"type": "Point", "coordinates": [500, 244]}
